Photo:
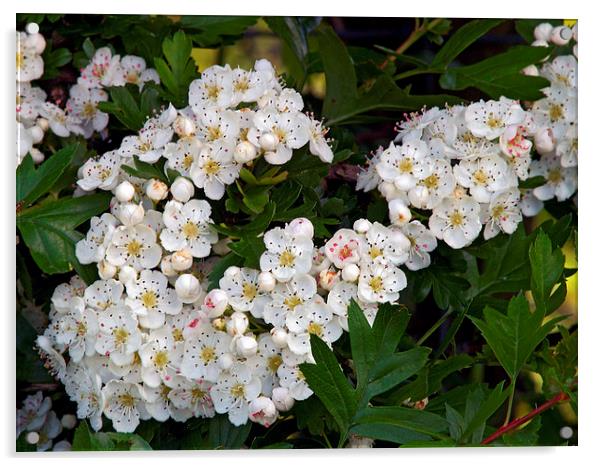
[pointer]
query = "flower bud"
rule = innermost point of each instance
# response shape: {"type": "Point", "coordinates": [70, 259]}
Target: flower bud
{"type": "Point", "coordinates": [215, 303]}
{"type": "Point", "coordinates": [357, 441]}
{"type": "Point", "coordinates": [279, 337]}
{"type": "Point", "coordinates": [32, 28]}
{"type": "Point", "coordinates": [36, 133]}
{"type": "Point", "coordinates": [221, 248]}
{"type": "Point", "coordinates": [127, 274]}
{"type": "Point", "coordinates": [263, 411]}
{"type": "Point", "coordinates": [232, 271]}
{"type": "Point", "coordinates": [387, 189]}
{"type": "Point", "coordinates": [350, 273]}
{"type": "Point", "coordinates": [575, 32]}
{"type": "Point", "coordinates": [225, 361]}
{"type": "Point", "coordinates": [544, 140]}
{"type": "Point", "coordinates": [32, 438]}
{"type": "Point", "coordinates": [328, 278]}
{"type": "Point", "coordinates": [561, 35]}
{"type": "Point", "coordinates": [167, 267]}
{"type": "Point", "coordinates": [245, 152]}
{"type": "Point", "coordinates": [219, 324]}
{"type": "Point", "coordinates": [282, 399]}
{"type": "Point", "coordinates": [301, 227]}
{"type": "Point", "coordinates": [181, 260]}
{"type": "Point", "coordinates": [530, 70]}
{"type": "Point", "coordinates": [539, 43]}
{"type": "Point", "coordinates": [124, 192]}
{"type": "Point", "coordinates": [575, 51]}
{"type": "Point", "coordinates": [238, 324]}
{"type": "Point", "coordinates": [399, 213]}
{"type": "Point", "coordinates": [266, 282]}
{"type": "Point", "coordinates": [182, 189]}
{"type": "Point", "coordinates": [130, 214]}
{"type": "Point", "coordinates": [106, 270]}
{"type": "Point", "coordinates": [156, 190]}
{"type": "Point", "coordinates": [184, 126]}
{"type": "Point", "coordinates": [246, 346]}
{"type": "Point", "coordinates": [188, 288]}
{"type": "Point", "coordinates": [36, 155]}
{"type": "Point", "coordinates": [268, 141]}
{"type": "Point", "coordinates": [69, 421]}
{"type": "Point", "coordinates": [43, 124]}
{"type": "Point", "coordinates": [361, 225]}
{"type": "Point", "coordinates": [543, 31]}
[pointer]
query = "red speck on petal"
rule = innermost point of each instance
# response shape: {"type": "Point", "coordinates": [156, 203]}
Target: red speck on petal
{"type": "Point", "coordinates": [193, 323]}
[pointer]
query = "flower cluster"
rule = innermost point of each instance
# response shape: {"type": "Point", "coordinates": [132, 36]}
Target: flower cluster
{"type": "Point", "coordinates": [234, 116]}
{"type": "Point", "coordinates": [462, 165]}
{"type": "Point", "coordinates": [41, 423]}
{"type": "Point", "coordinates": [80, 115]}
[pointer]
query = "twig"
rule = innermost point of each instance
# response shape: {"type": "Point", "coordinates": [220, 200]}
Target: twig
{"type": "Point", "coordinates": [416, 34]}
{"type": "Point", "coordinates": [520, 421]}
{"type": "Point", "coordinates": [510, 401]}
{"type": "Point", "coordinates": [437, 324]}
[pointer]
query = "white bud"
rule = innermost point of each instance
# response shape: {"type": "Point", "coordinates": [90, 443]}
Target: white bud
{"type": "Point", "coordinates": [263, 411]}
{"type": "Point", "coordinates": [106, 270]}
{"type": "Point", "coordinates": [387, 189]}
{"type": "Point", "coordinates": [156, 190]}
{"type": "Point", "coordinates": [238, 324]}
{"type": "Point", "coordinates": [43, 124]}
{"type": "Point", "coordinates": [68, 421]}
{"type": "Point", "coordinates": [301, 227]}
{"type": "Point", "coordinates": [544, 140]}
{"type": "Point", "coordinates": [399, 213]}
{"type": "Point", "coordinates": [350, 273]}
{"type": "Point", "coordinates": [543, 31]}
{"type": "Point", "coordinates": [361, 225]}
{"type": "Point", "coordinates": [182, 189]}
{"type": "Point", "coordinates": [561, 35]}
{"type": "Point", "coordinates": [36, 41]}
{"type": "Point", "coordinates": [575, 32]}
{"type": "Point", "coordinates": [246, 346]}
{"type": "Point", "coordinates": [129, 214]}
{"type": "Point", "coordinates": [245, 152]}
{"type": "Point", "coordinates": [279, 337]}
{"type": "Point", "coordinates": [221, 248]}
{"type": "Point", "coordinates": [268, 141]}
{"type": "Point", "coordinates": [181, 260]}
{"type": "Point", "coordinates": [219, 324]}
{"type": "Point", "coordinates": [188, 288]}
{"type": "Point", "coordinates": [124, 192]}
{"type": "Point", "coordinates": [266, 282]}
{"type": "Point", "coordinates": [575, 51]}
{"type": "Point", "coordinates": [36, 155]}
{"type": "Point", "coordinates": [184, 126]}
{"type": "Point", "coordinates": [36, 133]}
{"type": "Point", "coordinates": [282, 399]}
{"type": "Point", "coordinates": [32, 438]}
{"type": "Point", "coordinates": [539, 43]}
{"type": "Point", "coordinates": [232, 271]}
{"type": "Point", "coordinates": [127, 274]}
{"type": "Point", "coordinates": [215, 303]}
{"type": "Point", "coordinates": [32, 28]}
{"type": "Point", "coordinates": [531, 70]}
{"type": "Point", "coordinates": [167, 267]}
{"type": "Point", "coordinates": [328, 278]}
{"type": "Point", "coordinates": [225, 361]}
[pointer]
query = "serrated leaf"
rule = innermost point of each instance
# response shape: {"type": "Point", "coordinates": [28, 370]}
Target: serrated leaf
{"type": "Point", "coordinates": [547, 266]}
{"type": "Point", "coordinates": [414, 420]}
{"type": "Point", "coordinates": [223, 435]}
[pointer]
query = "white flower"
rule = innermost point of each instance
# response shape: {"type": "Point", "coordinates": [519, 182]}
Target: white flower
{"type": "Point", "coordinates": [192, 395]}
{"type": "Point", "coordinates": [213, 169]}
{"type": "Point", "coordinates": [65, 292]}
{"type": "Point", "coordinates": [429, 191]}
{"type": "Point", "coordinates": [182, 155]}
{"type": "Point", "coordinates": [287, 296]}
{"type": "Point", "coordinates": [53, 360]}
{"type": "Point", "coordinates": [286, 254]}
{"type": "Point", "coordinates": [150, 298]}
{"type": "Point", "coordinates": [101, 71]}
{"type": "Point", "coordinates": [187, 227]}
{"type": "Point", "coordinates": [243, 292]}
{"type": "Point", "coordinates": [32, 415]}
{"type": "Point", "coordinates": [134, 246]}
{"type": "Point", "coordinates": [561, 182]}
{"type": "Point", "coordinates": [28, 102]}
{"type": "Point", "coordinates": [456, 221]}
{"type": "Point", "coordinates": [380, 282]}
{"type": "Point", "coordinates": [263, 411]}
{"type": "Point", "coordinates": [134, 71]}
{"type": "Point", "coordinates": [562, 71]}
{"type": "Point", "coordinates": [343, 248]}
{"type": "Point", "coordinates": [77, 330]}
{"type": "Point", "coordinates": [123, 405]}
{"type": "Point", "coordinates": [530, 206]}
{"type": "Point", "coordinates": [293, 379]}
{"type": "Point", "coordinates": [414, 123]}
{"type": "Point", "coordinates": [103, 294]}
{"type": "Point", "coordinates": [213, 89]}
{"type": "Point", "coordinates": [557, 111]}
{"type": "Point", "coordinates": [118, 336]}
{"type": "Point", "coordinates": [148, 145]}
{"type": "Point", "coordinates": [517, 149]}
{"type": "Point", "coordinates": [404, 165]}
{"type": "Point", "coordinates": [318, 144]}
{"type": "Point", "coordinates": [313, 318]}
{"type": "Point", "coordinates": [485, 176]}
{"type": "Point", "coordinates": [160, 358]}
{"type": "Point", "coordinates": [339, 298]}
{"type": "Point", "coordinates": [388, 244]}
{"type": "Point", "coordinates": [85, 388]}
{"type": "Point", "coordinates": [490, 119]}
{"type": "Point", "coordinates": [83, 104]}
{"type": "Point", "coordinates": [233, 391]}
{"type": "Point", "coordinates": [92, 248]}
{"type": "Point", "coordinates": [266, 363]}
{"type": "Point", "coordinates": [202, 351]}
{"type": "Point", "coordinates": [101, 173]}
{"type": "Point", "coordinates": [218, 126]}
{"type": "Point", "coordinates": [567, 148]}
{"type": "Point", "coordinates": [502, 214]}
{"type": "Point", "coordinates": [60, 122]}
{"type": "Point", "coordinates": [248, 86]}
{"type": "Point", "coordinates": [159, 405]}
{"type": "Point", "coordinates": [422, 241]}
{"type": "Point", "coordinates": [29, 62]}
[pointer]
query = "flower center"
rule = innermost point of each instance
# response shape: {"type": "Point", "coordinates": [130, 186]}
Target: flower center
{"type": "Point", "coordinates": [406, 166]}
{"type": "Point", "coordinates": [274, 363]}
{"type": "Point", "coordinates": [287, 259]}
{"type": "Point", "coordinates": [208, 354]}
{"type": "Point", "coordinates": [177, 334]}
{"type": "Point", "coordinates": [89, 110]}
{"type": "Point", "coordinates": [480, 177]}
{"type": "Point", "coordinates": [20, 60]}
{"type": "Point", "coordinates": [345, 252]}
{"type": "Point", "coordinates": [214, 133]}
{"type": "Point", "coordinates": [280, 133]}
{"type": "Point", "coordinates": [126, 400]}
{"type": "Point", "coordinates": [212, 91]}
{"type": "Point", "coordinates": [187, 161]}
{"type": "Point", "coordinates": [292, 302]}
{"type": "Point", "coordinates": [149, 299]}
{"type": "Point", "coordinates": [134, 248]}
{"type": "Point", "coordinates": [241, 85]}
{"type": "Point", "coordinates": [249, 291]}
{"type": "Point", "coordinates": [104, 174]}
{"type": "Point", "coordinates": [121, 336]}
{"type": "Point", "coordinates": [376, 283]}
{"type": "Point", "coordinates": [197, 395]}
{"type": "Point", "coordinates": [497, 211]}
{"type": "Point", "coordinates": [161, 359]}
{"type": "Point", "coordinates": [211, 167]}
{"type": "Point", "coordinates": [431, 182]}
{"type": "Point", "coordinates": [493, 122]}
{"type": "Point", "coordinates": [456, 219]}
{"type": "Point", "coordinates": [315, 329]}
{"type": "Point", "coordinates": [238, 390]}
{"type": "Point", "coordinates": [555, 176]}
{"type": "Point", "coordinates": [144, 147]}
{"type": "Point", "coordinates": [81, 328]}
{"type": "Point", "coordinates": [190, 230]}
{"type": "Point", "coordinates": [556, 112]}
{"type": "Point", "coordinates": [375, 252]}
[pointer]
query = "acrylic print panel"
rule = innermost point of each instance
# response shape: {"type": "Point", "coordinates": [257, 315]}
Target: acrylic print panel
{"type": "Point", "coordinates": [295, 232]}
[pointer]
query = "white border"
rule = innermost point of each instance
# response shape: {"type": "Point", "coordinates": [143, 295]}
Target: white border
{"type": "Point", "coordinates": [590, 75]}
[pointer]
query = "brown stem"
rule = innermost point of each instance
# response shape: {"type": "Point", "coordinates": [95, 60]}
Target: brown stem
{"type": "Point", "coordinates": [521, 420]}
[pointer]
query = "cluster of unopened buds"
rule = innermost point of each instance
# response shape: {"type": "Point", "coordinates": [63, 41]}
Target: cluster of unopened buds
{"type": "Point", "coordinates": [462, 165]}
{"type": "Point", "coordinates": [80, 115]}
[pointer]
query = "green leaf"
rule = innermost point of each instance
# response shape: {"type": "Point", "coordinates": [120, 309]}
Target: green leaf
{"type": "Point", "coordinates": [327, 381]}
{"type": "Point", "coordinates": [224, 435]}
{"type": "Point", "coordinates": [250, 249]}
{"type": "Point", "coordinates": [127, 442]}
{"type": "Point", "coordinates": [476, 415]}
{"type": "Point", "coordinates": [500, 75]}
{"type": "Point", "coordinates": [144, 170]}
{"type": "Point", "coordinates": [414, 420]}
{"type": "Point", "coordinates": [48, 229]}
{"type": "Point", "coordinates": [513, 337]}
{"type": "Point", "coordinates": [125, 107]}
{"type": "Point", "coordinates": [211, 31]}
{"type": "Point", "coordinates": [218, 269]}
{"type": "Point", "coordinates": [33, 183]}
{"type": "Point", "coordinates": [526, 436]}
{"type": "Point", "coordinates": [547, 265]}
{"type": "Point", "coordinates": [455, 422]}
{"type": "Point", "coordinates": [389, 433]}
{"type": "Point", "coordinates": [389, 325]}
{"type": "Point", "coordinates": [363, 347]}
{"type": "Point", "coordinates": [88, 48]}
{"type": "Point", "coordinates": [462, 38]}
{"type": "Point", "coordinates": [532, 183]}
